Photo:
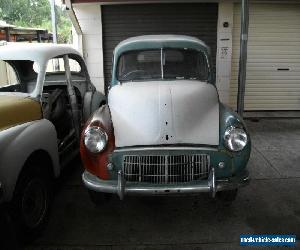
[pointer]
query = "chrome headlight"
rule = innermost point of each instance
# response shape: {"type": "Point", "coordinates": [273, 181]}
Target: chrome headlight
{"type": "Point", "coordinates": [95, 139]}
{"type": "Point", "coordinates": [235, 138]}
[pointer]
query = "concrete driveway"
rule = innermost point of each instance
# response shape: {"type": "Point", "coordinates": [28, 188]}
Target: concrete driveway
{"type": "Point", "coordinates": [269, 205]}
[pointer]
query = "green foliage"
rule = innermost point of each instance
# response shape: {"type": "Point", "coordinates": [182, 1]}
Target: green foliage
{"type": "Point", "coordinates": [64, 26]}
{"type": "Point", "coordinates": [35, 14]}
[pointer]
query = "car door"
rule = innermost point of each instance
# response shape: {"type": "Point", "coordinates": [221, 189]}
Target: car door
{"type": "Point", "coordinates": [61, 103]}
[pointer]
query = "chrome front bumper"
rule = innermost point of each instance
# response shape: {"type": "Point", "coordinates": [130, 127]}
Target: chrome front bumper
{"type": "Point", "coordinates": [122, 188]}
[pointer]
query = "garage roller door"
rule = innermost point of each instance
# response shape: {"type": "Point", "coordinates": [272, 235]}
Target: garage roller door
{"type": "Point", "coordinates": [123, 21]}
{"type": "Point", "coordinates": [273, 70]}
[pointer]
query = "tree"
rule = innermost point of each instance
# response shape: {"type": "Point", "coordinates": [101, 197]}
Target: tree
{"type": "Point", "coordinates": [35, 13]}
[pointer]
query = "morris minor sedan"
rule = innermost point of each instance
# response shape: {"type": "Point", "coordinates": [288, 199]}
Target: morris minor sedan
{"type": "Point", "coordinates": [164, 130]}
{"type": "Point", "coordinates": [46, 96]}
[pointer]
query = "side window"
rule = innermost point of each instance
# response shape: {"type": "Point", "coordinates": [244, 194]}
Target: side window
{"type": "Point", "coordinates": [56, 65]}
{"type": "Point", "coordinates": [56, 73]}
{"type": "Point", "coordinates": [8, 75]}
{"type": "Point", "coordinates": [55, 91]}
{"type": "Point", "coordinates": [74, 66]}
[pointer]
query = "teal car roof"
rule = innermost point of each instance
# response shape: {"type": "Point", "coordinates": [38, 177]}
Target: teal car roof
{"type": "Point", "coordinates": [160, 41]}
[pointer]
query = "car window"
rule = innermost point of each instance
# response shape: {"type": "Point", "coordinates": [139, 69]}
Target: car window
{"type": "Point", "coordinates": [8, 75]}
{"type": "Point", "coordinates": [163, 64]}
{"type": "Point", "coordinates": [140, 65]}
{"type": "Point", "coordinates": [185, 64]}
{"type": "Point", "coordinates": [17, 76]}
{"type": "Point", "coordinates": [56, 65]}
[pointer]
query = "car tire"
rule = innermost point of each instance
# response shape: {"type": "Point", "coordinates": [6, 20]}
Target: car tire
{"type": "Point", "coordinates": [99, 198]}
{"type": "Point", "coordinates": [32, 201]}
{"type": "Point", "coordinates": [227, 196]}
{"type": "Point", "coordinates": [7, 231]}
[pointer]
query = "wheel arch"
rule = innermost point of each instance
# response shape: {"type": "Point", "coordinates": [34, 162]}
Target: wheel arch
{"type": "Point", "coordinates": [39, 156]}
{"type": "Point", "coordinates": [22, 143]}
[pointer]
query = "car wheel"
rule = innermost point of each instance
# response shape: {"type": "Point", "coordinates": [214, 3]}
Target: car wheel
{"type": "Point", "coordinates": [7, 231]}
{"type": "Point", "coordinates": [99, 198]}
{"type": "Point", "coordinates": [227, 196]}
{"type": "Point", "coordinates": [31, 202]}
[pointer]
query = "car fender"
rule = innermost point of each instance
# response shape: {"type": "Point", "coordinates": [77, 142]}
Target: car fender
{"type": "Point", "coordinates": [230, 118]}
{"type": "Point", "coordinates": [92, 101]}
{"type": "Point", "coordinates": [16, 146]}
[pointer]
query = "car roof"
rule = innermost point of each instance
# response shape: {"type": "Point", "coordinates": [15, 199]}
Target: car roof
{"type": "Point", "coordinates": [160, 41]}
{"type": "Point", "coordinates": [40, 52]}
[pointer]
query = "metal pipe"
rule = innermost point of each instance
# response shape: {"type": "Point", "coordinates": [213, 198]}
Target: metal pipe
{"type": "Point", "coordinates": [54, 23]}
{"type": "Point", "coordinates": [72, 97]}
{"type": "Point", "coordinates": [243, 56]}
{"type": "Point", "coordinates": [75, 23]}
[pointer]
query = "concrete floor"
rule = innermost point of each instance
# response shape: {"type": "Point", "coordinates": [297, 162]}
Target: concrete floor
{"type": "Point", "coordinates": [269, 205]}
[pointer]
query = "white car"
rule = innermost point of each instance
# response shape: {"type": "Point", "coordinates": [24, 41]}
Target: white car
{"type": "Point", "coordinates": [164, 130]}
{"type": "Point", "coordinates": [45, 97]}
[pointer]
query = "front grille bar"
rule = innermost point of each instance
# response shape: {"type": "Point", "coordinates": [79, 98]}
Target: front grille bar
{"type": "Point", "coordinates": [165, 169]}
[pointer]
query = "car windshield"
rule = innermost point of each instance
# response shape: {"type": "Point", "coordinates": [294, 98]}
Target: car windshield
{"type": "Point", "coordinates": [162, 64]}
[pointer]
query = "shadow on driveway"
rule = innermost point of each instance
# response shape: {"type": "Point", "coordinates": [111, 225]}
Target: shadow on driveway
{"type": "Point", "coordinates": [269, 205]}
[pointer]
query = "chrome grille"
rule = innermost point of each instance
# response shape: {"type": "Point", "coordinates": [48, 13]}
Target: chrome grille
{"type": "Point", "coordinates": [165, 169]}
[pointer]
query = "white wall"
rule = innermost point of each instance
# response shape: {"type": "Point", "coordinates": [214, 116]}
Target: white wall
{"type": "Point", "coordinates": [224, 50]}
{"type": "Point", "coordinates": [89, 17]}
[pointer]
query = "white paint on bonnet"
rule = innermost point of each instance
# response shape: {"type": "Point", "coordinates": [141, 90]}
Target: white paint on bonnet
{"type": "Point", "coordinates": [164, 112]}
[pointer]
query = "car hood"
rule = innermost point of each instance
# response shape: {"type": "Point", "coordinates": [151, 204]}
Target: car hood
{"type": "Point", "coordinates": [17, 109]}
{"type": "Point", "coordinates": [164, 112]}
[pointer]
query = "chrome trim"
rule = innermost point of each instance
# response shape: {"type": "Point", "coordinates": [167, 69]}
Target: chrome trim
{"type": "Point", "coordinates": [164, 148]}
{"type": "Point", "coordinates": [227, 133]}
{"type": "Point", "coordinates": [121, 185]}
{"type": "Point", "coordinates": [101, 131]}
{"type": "Point", "coordinates": [161, 63]}
{"type": "Point", "coordinates": [121, 188]}
{"type": "Point", "coordinates": [166, 168]}
{"type": "Point", "coordinates": [212, 182]}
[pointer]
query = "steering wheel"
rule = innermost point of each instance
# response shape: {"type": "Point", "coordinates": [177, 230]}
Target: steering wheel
{"type": "Point", "coordinates": [136, 71]}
